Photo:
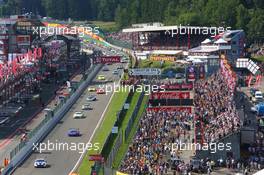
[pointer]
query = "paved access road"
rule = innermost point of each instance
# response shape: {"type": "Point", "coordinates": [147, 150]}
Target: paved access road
{"type": "Point", "coordinates": [61, 162]}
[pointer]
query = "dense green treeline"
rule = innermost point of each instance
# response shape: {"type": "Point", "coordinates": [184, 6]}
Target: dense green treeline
{"type": "Point", "coordinates": [238, 14]}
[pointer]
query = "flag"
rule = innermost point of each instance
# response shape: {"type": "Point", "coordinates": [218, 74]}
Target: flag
{"type": "Point", "coordinates": [258, 80]}
{"type": "Point", "coordinates": [1, 71]}
{"type": "Point", "coordinates": [39, 55]}
{"type": "Point", "coordinates": [249, 80]}
{"type": "Point", "coordinates": [30, 55]}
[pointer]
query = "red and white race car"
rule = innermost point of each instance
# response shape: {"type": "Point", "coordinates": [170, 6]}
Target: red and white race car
{"type": "Point", "coordinates": [100, 91]}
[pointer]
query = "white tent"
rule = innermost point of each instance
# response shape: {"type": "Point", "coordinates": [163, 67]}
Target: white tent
{"type": "Point", "coordinates": [206, 41]}
{"type": "Point", "coordinates": [181, 61]}
{"type": "Point", "coordinates": [197, 61]}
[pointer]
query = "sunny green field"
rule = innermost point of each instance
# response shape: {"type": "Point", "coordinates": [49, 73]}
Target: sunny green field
{"type": "Point", "coordinates": [105, 26]}
{"type": "Point", "coordinates": [260, 58]}
{"type": "Point", "coordinates": [155, 64]}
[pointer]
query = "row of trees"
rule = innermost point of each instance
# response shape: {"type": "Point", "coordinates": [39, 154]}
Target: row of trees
{"type": "Point", "coordinates": [59, 9]}
{"type": "Point", "coordinates": [238, 14]}
{"type": "Point", "coordinates": [63, 9]}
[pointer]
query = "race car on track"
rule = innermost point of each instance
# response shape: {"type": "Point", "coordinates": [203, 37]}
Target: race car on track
{"type": "Point", "coordinates": [101, 77]}
{"type": "Point", "coordinates": [91, 89]}
{"type": "Point", "coordinates": [86, 106]}
{"type": "Point", "coordinates": [78, 115]}
{"type": "Point", "coordinates": [100, 91]}
{"type": "Point", "coordinates": [91, 98]}
{"type": "Point", "coordinates": [115, 72]}
{"type": "Point", "coordinates": [73, 132]}
{"type": "Point", "coordinates": [40, 163]}
{"type": "Point", "coordinates": [120, 67]}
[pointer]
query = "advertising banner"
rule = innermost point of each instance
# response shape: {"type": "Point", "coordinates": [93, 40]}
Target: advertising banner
{"type": "Point", "coordinates": [186, 86]}
{"type": "Point", "coordinates": [191, 73]}
{"type": "Point", "coordinates": [169, 109]}
{"type": "Point", "coordinates": [96, 157]}
{"type": "Point", "coordinates": [119, 173]}
{"type": "Point", "coordinates": [145, 71]}
{"type": "Point", "coordinates": [170, 95]}
{"type": "Point", "coordinates": [107, 59]}
{"type": "Point", "coordinates": [162, 58]}
{"type": "Point", "coordinates": [201, 72]}
{"type": "Point", "coordinates": [23, 40]}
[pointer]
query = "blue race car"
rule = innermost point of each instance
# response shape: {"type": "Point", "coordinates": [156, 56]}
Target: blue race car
{"type": "Point", "coordinates": [73, 132]}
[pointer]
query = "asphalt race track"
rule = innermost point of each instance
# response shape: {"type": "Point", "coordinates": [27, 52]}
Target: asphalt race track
{"type": "Point", "coordinates": [62, 162]}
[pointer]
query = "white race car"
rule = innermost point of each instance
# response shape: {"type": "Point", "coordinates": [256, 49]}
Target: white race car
{"type": "Point", "coordinates": [78, 115]}
{"type": "Point", "coordinates": [40, 163]}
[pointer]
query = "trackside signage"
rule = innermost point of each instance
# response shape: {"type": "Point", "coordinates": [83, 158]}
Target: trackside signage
{"type": "Point", "coordinates": [170, 95]}
{"type": "Point", "coordinates": [108, 59]}
{"type": "Point", "coordinates": [96, 157]}
{"type": "Point", "coordinates": [145, 71]}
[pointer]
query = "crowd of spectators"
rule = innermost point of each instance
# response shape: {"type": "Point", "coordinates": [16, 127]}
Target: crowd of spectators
{"type": "Point", "coordinates": [258, 52]}
{"type": "Point", "coordinates": [261, 65]}
{"type": "Point", "coordinates": [255, 160]}
{"type": "Point", "coordinates": [215, 107]}
{"type": "Point", "coordinates": [151, 151]}
{"type": "Point", "coordinates": [256, 151]}
{"type": "Point", "coordinates": [121, 36]}
{"type": "Point", "coordinates": [152, 81]}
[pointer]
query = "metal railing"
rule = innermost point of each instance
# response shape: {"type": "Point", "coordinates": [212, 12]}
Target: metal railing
{"type": "Point", "coordinates": [133, 116]}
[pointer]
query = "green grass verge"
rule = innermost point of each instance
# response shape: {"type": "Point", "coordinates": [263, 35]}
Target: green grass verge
{"type": "Point", "coordinates": [124, 122]}
{"type": "Point", "coordinates": [260, 58]}
{"type": "Point", "coordinates": [129, 112]}
{"type": "Point", "coordinates": [105, 26]}
{"type": "Point", "coordinates": [124, 147]}
{"type": "Point", "coordinates": [105, 128]}
{"type": "Point", "coordinates": [155, 64]}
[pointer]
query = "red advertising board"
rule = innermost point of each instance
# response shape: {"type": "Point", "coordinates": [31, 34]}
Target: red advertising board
{"type": "Point", "coordinates": [170, 95]}
{"type": "Point", "coordinates": [172, 87]}
{"type": "Point", "coordinates": [169, 109]}
{"type": "Point", "coordinates": [178, 86]}
{"type": "Point", "coordinates": [201, 72]}
{"type": "Point", "coordinates": [96, 157]}
{"type": "Point", "coordinates": [23, 39]}
{"type": "Point", "coordinates": [108, 59]}
{"type": "Point", "coordinates": [191, 73]}
{"type": "Point", "coordinates": [187, 86]}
